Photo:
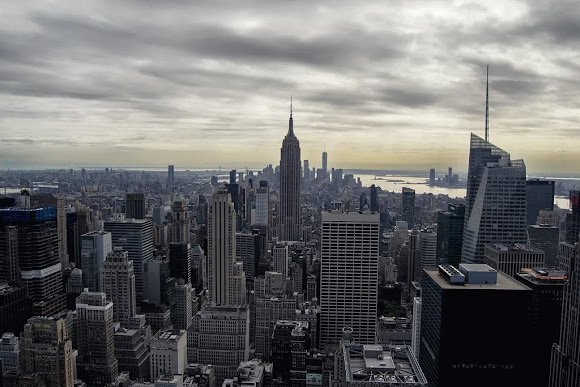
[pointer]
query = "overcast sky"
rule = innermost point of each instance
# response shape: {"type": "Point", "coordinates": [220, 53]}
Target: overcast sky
{"type": "Point", "coordinates": [381, 84]}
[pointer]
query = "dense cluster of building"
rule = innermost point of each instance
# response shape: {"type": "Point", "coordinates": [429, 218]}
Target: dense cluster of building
{"type": "Point", "coordinates": [288, 276]}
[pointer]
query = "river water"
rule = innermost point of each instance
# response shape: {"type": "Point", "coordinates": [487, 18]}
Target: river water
{"type": "Point", "coordinates": [394, 183]}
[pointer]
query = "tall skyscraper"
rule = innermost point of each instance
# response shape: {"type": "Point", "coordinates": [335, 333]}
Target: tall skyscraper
{"type": "Point", "coordinates": [135, 205]}
{"type": "Point", "coordinates": [290, 184]}
{"type": "Point", "coordinates": [573, 219]}
{"type": "Point", "coordinates": [247, 250]}
{"type": "Point", "coordinates": [136, 237]}
{"type": "Point", "coordinates": [411, 255]}
{"type": "Point", "coordinates": [262, 204]}
{"type": "Point", "coordinates": [416, 333]}
{"type": "Point", "coordinates": [180, 260]}
{"type": "Point", "coordinates": [221, 248]}
{"type": "Point", "coordinates": [565, 361]}
{"type": "Point", "coordinates": [426, 257]}
{"type": "Point", "coordinates": [481, 152]}
{"type": "Point", "coordinates": [324, 166]}
{"type": "Point", "coordinates": [545, 238]}
{"type": "Point", "coordinates": [95, 246]}
{"type": "Point", "coordinates": [496, 200]}
{"type": "Point", "coordinates": [547, 293]}
{"type": "Point", "coordinates": [281, 259]}
{"type": "Point", "coordinates": [170, 177]}
{"type": "Point", "coordinates": [306, 170]}
{"type": "Point", "coordinates": [46, 351]}
{"type": "Point", "coordinates": [374, 199]}
{"type": "Point", "coordinates": [96, 362]}
{"type": "Point", "coordinates": [29, 252]}
{"type": "Point", "coordinates": [179, 226]}
{"type": "Point", "coordinates": [15, 307]}
{"type": "Point", "coordinates": [432, 176]}
{"type": "Point", "coordinates": [349, 275]}
{"type": "Point", "coordinates": [450, 234]}
{"type": "Point", "coordinates": [510, 259]}
{"type": "Point", "coordinates": [539, 196]}
{"type": "Point", "coordinates": [408, 206]}
{"type": "Point", "coordinates": [457, 346]}
{"type": "Point", "coordinates": [182, 308]}
{"type": "Point", "coordinates": [118, 283]}
{"type": "Point", "coordinates": [158, 283]}
{"type": "Point", "coordinates": [51, 200]}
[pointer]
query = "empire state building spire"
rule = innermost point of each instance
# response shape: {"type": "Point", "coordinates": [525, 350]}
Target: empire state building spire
{"type": "Point", "coordinates": [291, 121]}
{"type": "Point", "coordinates": [290, 182]}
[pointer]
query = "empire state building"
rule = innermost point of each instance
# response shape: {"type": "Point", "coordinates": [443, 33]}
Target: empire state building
{"type": "Point", "coordinates": [290, 180]}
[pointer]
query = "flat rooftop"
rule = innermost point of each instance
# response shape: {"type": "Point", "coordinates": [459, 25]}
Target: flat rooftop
{"type": "Point", "coordinates": [381, 364]}
{"type": "Point", "coordinates": [360, 217]}
{"type": "Point", "coordinates": [504, 282]}
{"type": "Point", "coordinates": [513, 247]}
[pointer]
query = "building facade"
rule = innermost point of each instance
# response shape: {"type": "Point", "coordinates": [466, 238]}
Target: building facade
{"type": "Point", "coordinates": [349, 275]}
{"type": "Point", "coordinates": [496, 200]}
{"type": "Point", "coordinates": [118, 283]}
{"type": "Point", "coordinates": [136, 237]}
{"type": "Point", "coordinates": [290, 186]}
{"type": "Point", "coordinates": [96, 362]}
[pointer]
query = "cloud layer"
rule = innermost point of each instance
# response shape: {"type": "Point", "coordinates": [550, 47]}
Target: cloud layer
{"type": "Point", "coordinates": [206, 83]}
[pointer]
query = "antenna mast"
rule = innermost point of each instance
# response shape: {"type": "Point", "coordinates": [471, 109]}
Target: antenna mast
{"type": "Point", "coordinates": [487, 103]}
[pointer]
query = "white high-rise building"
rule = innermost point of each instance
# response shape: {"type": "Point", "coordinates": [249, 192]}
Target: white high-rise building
{"type": "Point", "coordinates": [281, 258]}
{"type": "Point", "coordinates": [349, 276]}
{"type": "Point", "coordinates": [95, 246]}
{"type": "Point", "coordinates": [496, 200]}
{"type": "Point", "coordinates": [512, 258]}
{"type": "Point", "coordinates": [220, 336]}
{"type": "Point", "coordinates": [426, 257]}
{"type": "Point", "coordinates": [118, 283]}
{"type": "Point", "coordinates": [221, 235]}
{"type": "Point", "coordinates": [416, 333]}
{"type": "Point", "coordinates": [168, 354]}
{"type": "Point", "coordinates": [220, 332]}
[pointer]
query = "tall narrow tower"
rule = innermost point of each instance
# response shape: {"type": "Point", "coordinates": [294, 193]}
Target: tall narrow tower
{"type": "Point", "coordinates": [290, 180]}
{"type": "Point", "coordinates": [495, 209]}
{"type": "Point", "coordinates": [487, 103]}
{"type": "Point", "coordinates": [324, 164]}
{"type": "Point", "coordinates": [221, 239]}
{"type": "Point", "coordinates": [118, 283]}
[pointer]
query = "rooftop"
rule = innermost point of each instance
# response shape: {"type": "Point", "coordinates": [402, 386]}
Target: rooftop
{"type": "Point", "coordinates": [544, 275]}
{"type": "Point", "coordinates": [503, 282]}
{"type": "Point", "coordinates": [362, 217]}
{"type": "Point", "coordinates": [381, 364]}
{"type": "Point", "coordinates": [516, 247]}
{"type": "Point", "coordinates": [168, 336]}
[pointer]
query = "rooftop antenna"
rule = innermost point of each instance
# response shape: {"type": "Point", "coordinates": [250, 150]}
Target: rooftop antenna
{"type": "Point", "coordinates": [487, 103]}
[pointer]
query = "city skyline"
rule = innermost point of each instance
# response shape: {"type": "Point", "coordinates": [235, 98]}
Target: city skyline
{"type": "Point", "coordinates": [208, 84]}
